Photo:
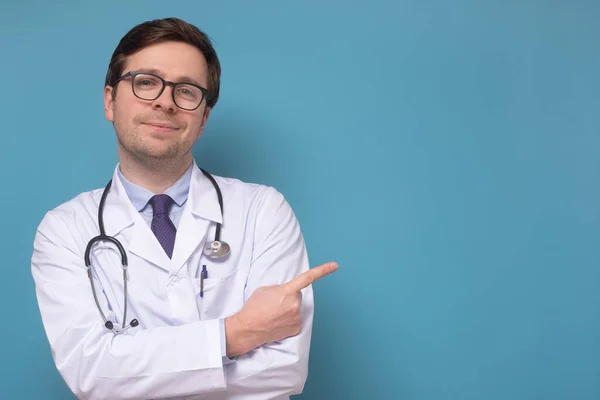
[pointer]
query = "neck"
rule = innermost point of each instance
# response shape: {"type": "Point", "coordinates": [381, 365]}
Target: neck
{"type": "Point", "coordinates": [156, 176]}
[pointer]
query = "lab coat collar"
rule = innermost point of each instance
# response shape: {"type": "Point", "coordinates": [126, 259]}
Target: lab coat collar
{"type": "Point", "coordinates": [203, 199]}
{"type": "Point", "coordinates": [140, 196]}
{"type": "Point", "coordinates": [201, 208]}
{"type": "Point", "coordinates": [118, 210]}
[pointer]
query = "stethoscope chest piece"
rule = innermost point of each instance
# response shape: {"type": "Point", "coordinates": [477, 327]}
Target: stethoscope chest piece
{"type": "Point", "coordinates": [216, 249]}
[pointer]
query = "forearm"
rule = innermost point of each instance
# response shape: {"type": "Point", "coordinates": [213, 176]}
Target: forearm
{"type": "Point", "coordinates": [155, 363]}
{"type": "Point", "coordinates": [271, 371]}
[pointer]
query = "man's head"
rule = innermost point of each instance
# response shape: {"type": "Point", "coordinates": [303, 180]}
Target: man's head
{"type": "Point", "coordinates": [156, 124]}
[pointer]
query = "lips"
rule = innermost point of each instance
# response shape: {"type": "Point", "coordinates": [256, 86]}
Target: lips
{"type": "Point", "coordinates": [162, 125]}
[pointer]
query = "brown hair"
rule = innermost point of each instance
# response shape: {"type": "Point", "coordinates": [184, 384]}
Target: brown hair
{"type": "Point", "coordinates": [161, 30]}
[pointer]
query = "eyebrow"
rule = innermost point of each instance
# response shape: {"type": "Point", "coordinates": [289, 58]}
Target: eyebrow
{"type": "Point", "coordinates": [182, 79]}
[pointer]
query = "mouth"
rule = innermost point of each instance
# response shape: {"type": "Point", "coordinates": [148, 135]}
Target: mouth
{"type": "Point", "coordinates": [160, 126]}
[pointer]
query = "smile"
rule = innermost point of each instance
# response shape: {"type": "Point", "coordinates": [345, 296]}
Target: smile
{"type": "Point", "coordinates": [162, 126]}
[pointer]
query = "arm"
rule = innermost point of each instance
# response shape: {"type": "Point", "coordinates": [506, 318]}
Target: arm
{"type": "Point", "coordinates": [96, 364]}
{"type": "Point", "coordinates": [276, 369]}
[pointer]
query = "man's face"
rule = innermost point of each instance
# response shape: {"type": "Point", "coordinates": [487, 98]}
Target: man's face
{"type": "Point", "coordinates": [158, 130]}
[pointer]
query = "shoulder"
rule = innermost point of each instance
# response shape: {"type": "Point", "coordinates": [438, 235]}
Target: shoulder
{"type": "Point", "coordinates": [261, 200]}
{"type": "Point", "coordinates": [66, 214]}
{"type": "Point", "coordinates": [251, 191]}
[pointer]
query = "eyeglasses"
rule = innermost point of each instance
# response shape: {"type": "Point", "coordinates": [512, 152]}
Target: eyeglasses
{"type": "Point", "coordinates": [146, 86]}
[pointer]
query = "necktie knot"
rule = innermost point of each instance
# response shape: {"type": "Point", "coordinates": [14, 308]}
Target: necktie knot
{"type": "Point", "coordinates": [161, 204]}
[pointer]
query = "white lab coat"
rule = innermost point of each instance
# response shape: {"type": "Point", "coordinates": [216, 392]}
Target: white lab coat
{"type": "Point", "coordinates": [175, 352]}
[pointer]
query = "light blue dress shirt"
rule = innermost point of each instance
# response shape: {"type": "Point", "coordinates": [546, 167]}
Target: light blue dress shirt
{"type": "Point", "coordinates": [140, 198]}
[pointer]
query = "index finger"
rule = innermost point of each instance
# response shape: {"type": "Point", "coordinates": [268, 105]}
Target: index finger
{"type": "Point", "coordinates": [312, 275]}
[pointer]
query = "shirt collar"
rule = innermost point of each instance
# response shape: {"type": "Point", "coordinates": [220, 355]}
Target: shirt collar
{"type": "Point", "coordinates": [140, 196]}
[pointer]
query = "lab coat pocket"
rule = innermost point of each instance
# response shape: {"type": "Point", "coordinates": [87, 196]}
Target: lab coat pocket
{"type": "Point", "coordinates": [220, 292]}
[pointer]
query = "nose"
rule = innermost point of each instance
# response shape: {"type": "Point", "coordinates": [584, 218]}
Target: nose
{"type": "Point", "coordinates": [165, 101]}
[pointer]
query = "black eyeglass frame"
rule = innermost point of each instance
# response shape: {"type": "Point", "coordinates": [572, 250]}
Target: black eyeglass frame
{"type": "Point", "coordinates": [165, 83]}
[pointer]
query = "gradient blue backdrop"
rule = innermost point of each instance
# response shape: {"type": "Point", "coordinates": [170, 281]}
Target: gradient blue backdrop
{"type": "Point", "coordinates": [445, 153]}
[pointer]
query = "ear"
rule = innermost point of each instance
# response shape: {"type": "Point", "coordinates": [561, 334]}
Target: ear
{"type": "Point", "coordinates": [108, 103]}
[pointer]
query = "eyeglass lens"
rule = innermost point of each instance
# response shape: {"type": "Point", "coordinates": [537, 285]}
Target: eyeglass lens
{"type": "Point", "coordinates": [148, 87]}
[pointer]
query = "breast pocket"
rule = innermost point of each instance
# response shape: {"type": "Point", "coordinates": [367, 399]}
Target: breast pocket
{"type": "Point", "coordinates": [220, 293]}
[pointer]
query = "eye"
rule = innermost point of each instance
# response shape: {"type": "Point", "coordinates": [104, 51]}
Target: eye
{"type": "Point", "coordinates": [188, 92]}
{"type": "Point", "coordinates": [146, 82]}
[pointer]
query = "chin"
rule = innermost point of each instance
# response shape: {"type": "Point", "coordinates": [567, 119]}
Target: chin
{"type": "Point", "coordinates": [145, 152]}
{"type": "Point", "coordinates": [152, 148]}
{"type": "Point", "coordinates": [163, 154]}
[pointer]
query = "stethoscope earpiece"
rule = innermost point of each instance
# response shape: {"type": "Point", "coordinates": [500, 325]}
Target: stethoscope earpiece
{"type": "Point", "coordinates": [109, 325]}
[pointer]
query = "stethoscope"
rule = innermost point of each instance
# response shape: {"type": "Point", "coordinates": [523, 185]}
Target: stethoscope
{"type": "Point", "coordinates": [215, 250]}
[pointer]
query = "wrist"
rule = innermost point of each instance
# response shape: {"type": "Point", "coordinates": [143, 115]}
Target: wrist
{"type": "Point", "coordinates": [240, 338]}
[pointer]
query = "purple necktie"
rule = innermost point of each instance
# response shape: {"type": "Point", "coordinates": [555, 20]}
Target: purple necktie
{"type": "Point", "coordinates": [162, 226]}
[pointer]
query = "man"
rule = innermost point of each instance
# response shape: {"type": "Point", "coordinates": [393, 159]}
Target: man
{"type": "Point", "coordinates": [172, 322]}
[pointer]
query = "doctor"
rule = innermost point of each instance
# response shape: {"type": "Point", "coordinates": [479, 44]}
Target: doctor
{"type": "Point", "coordinates": [173, 317]}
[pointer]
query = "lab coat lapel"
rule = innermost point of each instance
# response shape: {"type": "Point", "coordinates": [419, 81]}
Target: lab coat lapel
{"type": "Point", "coordinates": [145, 244]}
{"type": "Point", "coordinates": [201, 209]}
{"type": "Point", "coordinates": [119, 214]}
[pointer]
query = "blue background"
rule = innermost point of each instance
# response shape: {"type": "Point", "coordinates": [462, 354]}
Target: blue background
{"type": "Point", "coordinates": [445, 153]}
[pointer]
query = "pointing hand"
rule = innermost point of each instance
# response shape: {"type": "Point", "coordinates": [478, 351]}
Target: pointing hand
{"type": "Point", "coordinates": [271, 313]}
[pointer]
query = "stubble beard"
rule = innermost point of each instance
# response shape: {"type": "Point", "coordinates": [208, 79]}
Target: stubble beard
{"type": "Point", "coordinates": [141, 152]}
